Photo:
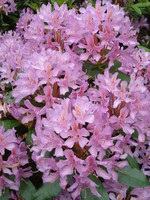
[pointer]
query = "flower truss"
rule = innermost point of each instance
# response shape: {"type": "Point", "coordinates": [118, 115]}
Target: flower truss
{"type": "Point", "coordinates": [13, 167]}
{"type": "Point", "coordinates": [84, 125]}
{"type": "Point", "coordinates": [7, 6]}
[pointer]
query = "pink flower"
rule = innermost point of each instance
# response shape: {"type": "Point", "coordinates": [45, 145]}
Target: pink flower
{"type": "Point", "coordinates": [30, 112]}
{"type": "Point", "coordinates": [69, 164]}
{"type": "Point", "coordinates": [47, 141]}
{"type": "Point", "coordinates": [49, 168]}
{"type": "Point", "coordinates": [83, 110]}
{"type": "Point", "coordinates": [91, 49]}
{"type": "Point", "coordinates": [122, 94]}
{"type": "Point", "coordinates": [47, 97]}
{"type": "Point", "coordinates": [8, 140]}
{"type": "Point", "coordinates": [76, 134]}
{"type": "Point", "coordinates": [141, 193]}
{"type": "Point", "coordinates": [59, 117]}
{"type": "Point", "coordinates": [107, 81]}
{"type": "Point", "coordinates": [24, 20]}
{"type": "Point", "coordinates": [142, 154]}
{"type": "Point", "coordinates": [91, 166]}
{"type": "Point", "coordinates": [124, 121]}
{"type": "Point", "coordinates": [13, 162]}
{"type": "Point", "coordinates": [114, 187]}
{"type": "Point", "coordinates": [74, 30]}
{"type": "Point", "coordinates": [26, 85]}
{"type": "Point", "coordinates": [82, 182]}
{"type": "Point", "coordinates": [142, 23]}
{"type": "Point", "coordinates": [8, 6]}
{"type": "Point", "coordinates": [89, 23]}
{"type": "Point", "coordinates": [100, 140]}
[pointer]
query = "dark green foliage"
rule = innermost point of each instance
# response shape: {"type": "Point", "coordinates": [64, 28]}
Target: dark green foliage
{"type": "Point", "coordinates": [47, 191]}
{"type": "Point", "coordinates": [88, 195]}
{"type": "Point", "coordinates": [27, 190]}
{"type": "Point", "coordinates": [132, 177]}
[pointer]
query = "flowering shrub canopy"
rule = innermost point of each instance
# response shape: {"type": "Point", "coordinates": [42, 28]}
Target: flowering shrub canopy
{"type": "Point", "coordinates": [79, 87]}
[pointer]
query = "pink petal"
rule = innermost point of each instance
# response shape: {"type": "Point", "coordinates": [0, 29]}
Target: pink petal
{"type": "Point", "coordinates": [69, 143]}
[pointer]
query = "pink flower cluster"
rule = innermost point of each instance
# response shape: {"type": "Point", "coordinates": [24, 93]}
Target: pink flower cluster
{"type": "Point", "coordinates": [24, 20]}
{"type": "Point", "coordinates": [7, 6]}
{"type": "Point", "coordinates": [13, 160]}
{"type": "Point", "coordinates": [87, 128]}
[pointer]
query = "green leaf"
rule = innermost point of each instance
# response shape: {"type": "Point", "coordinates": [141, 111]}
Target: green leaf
{"type": "Point", "coordinates": [34, 6]}
{"type": "Point", "coordinates": [141, 1]}
{"type": "Point", "coordinates": [88, 195]}
{"type": "Point", "coordinates": [92, 2]}
{"type": "Point", "coordinates": [91, 69]}
{"type": "Point", "coordinates": [5, 196]}
{"type": "Point", "coordinates": [135, 134]}
{"type": "Point", "coordinates": [13, 17]}
{"type": "Point", "coordinates": [9, 97]}
{"type": "Point", "coordinates": [37, 104]}
{"type": "Point", "coordinates": [142, 5]}
{"type": "Point", "coordinates": [129, 191]}
{"type": "Point", "coordinates": [48, 191]}
{"type": "Point", "coordinates": [28, 139]}
{"type": "Point", "coordinates": [27, 190]}
{"type": "Point", "coordinates": [5, 24]}
{"type": "Point", "coordinates": [121, 75]}
{"type": "Point", "coordinates": [70, 3]}
{"type": "Point", "coordinates": [132, 177]}
{"type": "Point", "coordinates": [100, 188]}
{"type": "Point", "coordinates": [133, 162]}
{"type": "Point", "coordinates": [131, 2]}
{"type": "Point", "coordinates": [49, 154]}
{"type": "Point", "coordinates": [9, 124]}
{"type": "Point", "coordinates": [115, 67]}
{"type": "Point", "coordinates": [145, 48]}
{"type": "Point", "coordinates": [69, 178]}
{"type": "Point", "coordinates": [136, 9]}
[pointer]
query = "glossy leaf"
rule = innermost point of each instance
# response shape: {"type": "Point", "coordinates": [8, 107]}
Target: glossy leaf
{"type": "Point", "coordinates": [9, 98]}
{"type": "Point", "coordinates": [132, 177]}
{"type": "Point", "coordinates": [145, 48]}
{"type": "Point", "coordinates": [5, 24]}
{"type": "Point", "coordinates": [27, 190]}
{"type": "Point", "coordinates": [136, 9]}
{"type": "Point", "coordinates": [121, 75]}
{"type": "Point", "coordinates": [5, 195]}
{"type": "Point", "coordinates": [91, 70]}
{"type": "Point", "coordinates": [143, 5]}
{"type": "Point", "coordinates": [102, 191]}
{"type": "Point", "coordinates": [33, 6]}
{"type": "Point", "coordinates": [88, 195]}
{"type": "Point", "coordinates": [48, 191]}
{"type": "Point", "coordinates": [133, 162]}
{"type": "Point", "coordinates": [9, 124]}
{"type": "Point", "coordinates": [28, 139]}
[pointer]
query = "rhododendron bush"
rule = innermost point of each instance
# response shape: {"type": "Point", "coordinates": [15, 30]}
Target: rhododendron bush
{"type": "Point", "coordinates": [75, 104]}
